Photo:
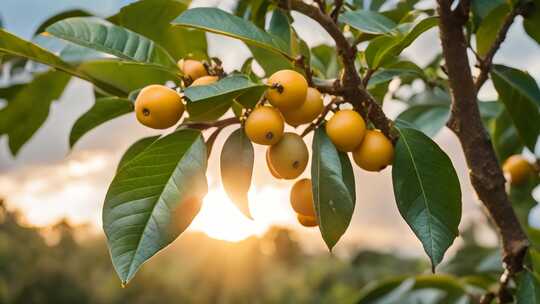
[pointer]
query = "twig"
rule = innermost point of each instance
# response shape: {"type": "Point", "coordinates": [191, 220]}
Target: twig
{"type": "Point", "coordinates": [327, 108]}
{"type": "Point", "coordinates": [367, 77]}
{"type": "Point", "coordinates": [484, 64]}
{"type": "Point", "coordinates": [337, 8]}
{"type": "Point", "coordinates": [210, 124]}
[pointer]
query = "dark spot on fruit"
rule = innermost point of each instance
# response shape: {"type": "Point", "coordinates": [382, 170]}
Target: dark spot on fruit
{"type": "Point", "coordinates": [146, 112]}
{"type": "Point", "coordinates": [295, 164]}
{"type": "Point", "coordinates": [269, 135]}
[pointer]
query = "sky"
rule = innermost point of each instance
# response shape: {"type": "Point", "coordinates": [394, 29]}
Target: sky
{"type": "Point", "coordinates": [48, 181]}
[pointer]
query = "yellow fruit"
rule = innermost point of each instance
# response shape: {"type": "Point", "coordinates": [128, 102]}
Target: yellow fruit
{"type": "Point", "coordinates": [264, 126]}
{"type": "Point", "coordinates": [308, 111]}
{"type": "Point", "coordinates": [307, 221]}
{"type": "Point", "coordinates": [205, 80]}
{"type": "Point", "coordinates": [289, 157]}
{"type": "Point", "coordinates": [346, 130]}
{"type": "Point", "coordinates": [517, 169]}
{"type": "Point", "coordinates": [290, 90]}
{"type": "Point", "coordinates": [158, 107]}
{"type": "Point", "coordinates": [270, 168]}
{"type": "Point", "coordinates": [193, 69]}
{"type": "Point", "coordinates": [375, 152]}
{"type": "Point", "coordinates": [302, 198]}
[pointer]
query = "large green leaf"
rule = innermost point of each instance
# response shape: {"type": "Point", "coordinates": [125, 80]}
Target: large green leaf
{"type": "Point", "coordinates": [29, 107]}
{"type": "Point", "coordinates": [384, 48]}
{"type": "Point", "coordinates": [153, 198]}
{"type": "Point", "coordinates": [429, 118]}
{"type": "Point", "coordinates": [135, 149]}
{"type": "Point", "coordinates": [521, 97]}
{"type": "Point", "coordinates": [333, 188]}
{"type": "Point", "coordinates": [152, 19]}
{"type": "Point", "coordinates": [106, 37]}
{"type": "Point", "coordinates": [220, 22]}
{"type": "Point", "coordinates": [103, 110]}
{"type": "Point", "coordinates": [531, 22]}
{"type": "Point", "coordinates": [368, 21]}
{"type": "Point", "coordinates": [489, 28]}
{"type": "Point", "coordinates": [427, 192]}
{"type": "Point", "coordinates": [211, 101]}
{"type": "Point", "coordinates": [504, 136]}
{"type": "Point", "coordinates": [13, 45]}
{"type": "Point", "coordinates": [126, 76]}
{"type": "Point", "coordinates": [236, 163]}
{"type": "Point", "coordinates": [528, 291]}
{"type": "Point", "coordinates": [61, 16]}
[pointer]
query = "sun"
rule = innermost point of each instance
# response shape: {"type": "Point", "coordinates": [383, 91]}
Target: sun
{"type": "Point", "coordinates": [220, 219]}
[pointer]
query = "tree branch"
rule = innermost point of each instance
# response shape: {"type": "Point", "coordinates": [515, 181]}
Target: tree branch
{"type": "Point", "coordinates": [485, 172]}
{"type": "Point", "coordinates": [485, 63]}
{"type": "Point", "coordinates": [353, 90]}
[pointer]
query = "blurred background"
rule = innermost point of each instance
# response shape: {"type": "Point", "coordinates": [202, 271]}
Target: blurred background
{"type": "Point", "coordinates": [52, 248]}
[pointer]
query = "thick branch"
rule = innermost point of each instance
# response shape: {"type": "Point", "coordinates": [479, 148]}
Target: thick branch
{"type": "Point", "coordinates": [485, 63]}
{"type": "Point", "coordinates": [485, 172]}
{"type": "Point", "coordinates": [353, 90]}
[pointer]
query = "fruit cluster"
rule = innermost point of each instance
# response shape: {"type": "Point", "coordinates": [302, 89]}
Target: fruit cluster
{"type": "Point", "coordinates": [292, 101]}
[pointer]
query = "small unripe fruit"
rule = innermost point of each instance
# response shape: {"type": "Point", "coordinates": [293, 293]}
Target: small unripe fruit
{"type": "Point", "coordinates": [204, 80]}
{"type": "Point", "coordinates": [193, 69]}
{"type": "Point", "coordinates": [308, 111]}
{"type": "Point", "coordinates": [289, 157]}
{"type": "Point", "coordinates": [158, 107]}
{"type": "Point", "coordinates": [288, 90]}
{"type": "Point", "coordinates": [307, 221]}
{"type": "Point", "coordinates": [517, 169]}
{"type": "Point", "coordinates": [264, 126]}
{"type": "Point", "coordinates": [346, 130]}
{"type": "Point", "coordinates": [302, 198]}
{"type": "Point", "coordinates": [375, 152]}
{"type": "Point", "coordinates": [269, 165]}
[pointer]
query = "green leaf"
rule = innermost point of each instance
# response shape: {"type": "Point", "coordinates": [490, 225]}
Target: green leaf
{"type": "Point", "coordinates": [136, 149]}
{"type": "Point", "coordinates": [251, 97]}
{"type": "Point", "coordinates": [427, 192]}
{"type": "Point", "coordinates": [103, 110]}
{"type": "Point", "coordinates": [212, 101]}
{"type": "Point", "coordinates": [29, 107]}
{"type": "Point", "coordinates": [333, 188]}
{"type": "Point", "coordinates": [324, 61]}
{"type": "Point", "coordinates": [152, 19]}
{"type": "Point", "coordinates": [504, 136]}
{"type": "Point", "coordinates": [106, 37]}
{"type": "Point", "coordinates": [61, 16]}
{"type": "Point", "coordinates": [13, 45]}
{"type": "Point", "coordinates": [236, 163]}
{"type": "Point", "coordinates": [489, 28]}
{"type": "Point", "coordinates": [521, 97]}
{"type": "Point", "coordinates": [528, 291]}
{"type": "Point", "coordinates": [384, 48]}
{"type": "Point", "coordinates": [531, 22]}
{"type": "Point", "coordinates": [220, 22]}
{"type": "Point", "coordinates": [429, 118]}
{"type": "Point", "coordinates": [7, 93]}
{"type": "Point", "coordinates": [126, 76]}
{"type": "Point", "coordinates": [153, 198]}
{"type": "Point", "coordinates": [368, 21]}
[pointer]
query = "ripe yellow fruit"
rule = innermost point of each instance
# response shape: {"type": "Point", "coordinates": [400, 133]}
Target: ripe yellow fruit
{"type": "Point", "coordinates": [307, 221]}
{"type": "Point", "coordinates": [264, 126]}
{"type": "Point", "coordinates": [308, 111]}
{"type": "Point", "coordinates": [346, 130]}
{"type": "Point", "coordinates": [302, 198]}
{"type": "Point", "coordinates": [375, 152]}
{"type": "Point", "coordinates": [270, 168]}
{"type": "Point", "coordinates": [158, 107]}
{"type": "Point", "coordinates": [517, 169]}
{"type": "Point", "coordinates": [290, 90]}
{"type": "Point", "coordinates": [289, 157]}
{"type": "Point", "coordinates": [193, 69]}
{"type": "Point", "coordinates": [204, 80]}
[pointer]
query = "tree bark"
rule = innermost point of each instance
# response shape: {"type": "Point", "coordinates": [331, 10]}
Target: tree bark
{"type": "Point", "coordinates": [485, 172]}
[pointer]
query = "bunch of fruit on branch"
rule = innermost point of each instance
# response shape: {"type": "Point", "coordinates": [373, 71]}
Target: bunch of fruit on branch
{"type": "Point", "coordinates": [290, 100]}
